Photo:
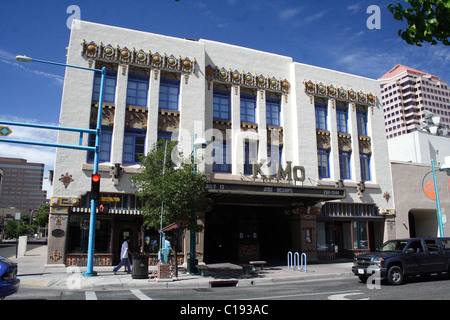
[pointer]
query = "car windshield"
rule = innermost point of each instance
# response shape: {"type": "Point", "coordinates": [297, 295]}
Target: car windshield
{"type": "Point", "coordinates": [392, 246]}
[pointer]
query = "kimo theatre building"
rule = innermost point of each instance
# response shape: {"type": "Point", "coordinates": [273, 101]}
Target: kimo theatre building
{"type": "Point", "coordinates": [296, 155]}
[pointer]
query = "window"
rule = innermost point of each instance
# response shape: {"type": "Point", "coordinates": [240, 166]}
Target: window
{"type": "Point", "coordinates": [79, 230]}
{"type": "Point", "coordinates": [273, 112]}
{"type": "Point", "coordinates": [432, 246]}
{"type": "Point", "coordinates": [274, 156]}
{"type": "Point", "coordinates": [341, 117]}
{"type": "Point", "coordinates": [360, 239]}
{"type": "Point", "coordinates": [222, 157]}
{"type": "Point", "coordinates": [445, 244]}
{"type": "Point", "coordinates": [365, 166]}
{"type": "Point", "coordinates": [109, 88]}
{"type": "Point", "coordinates": [133, 145]}
{"type": "Point", "coordinates": [324, 163]}
{"type": "Point", "coordinates": [169, 91]}
{"type": "Point", "coordinates": [248, 108]}
{"type": "Point", "coordinates": [416, 246]}
{"type": "Point", "coordinates": [168, 135]}
{"type": "Point", "coordinates": [137, 90]}
{"type": "Point", "coordinates": [344, 164]}
{"type": "Point", "coordinates": [321, 117]}
{"type": "Point", "coordinates": [105, 144]}
{"type": "Point", "coordinates": [221, 105]}
{"type": "Point", "coordinates": [362, 122]}
{"type": "Point", "coordinates": [251, 153]}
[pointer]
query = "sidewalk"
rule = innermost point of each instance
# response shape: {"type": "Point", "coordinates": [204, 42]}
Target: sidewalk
{"type": "Point", "coordinates": [33, 272]}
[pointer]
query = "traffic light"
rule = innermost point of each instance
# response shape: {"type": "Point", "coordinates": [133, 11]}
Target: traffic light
{"type": "Point", "coordinates": [103, 208]}
{"type": "Point", "coordinates": [95, 187]}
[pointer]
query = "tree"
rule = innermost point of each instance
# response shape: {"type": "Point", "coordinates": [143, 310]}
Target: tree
{"type": "Point", "coordinates": [41, 217]}
{"type": "Point", "coordinates": [428, 21]}
{"type": "Point", "coordinates": [178, 190]}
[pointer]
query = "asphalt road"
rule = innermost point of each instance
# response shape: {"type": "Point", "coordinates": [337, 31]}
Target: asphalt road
{"type": "Point", "coordinates": [346, 288]}
{"type": "Point", "coordinates": [8, 248]}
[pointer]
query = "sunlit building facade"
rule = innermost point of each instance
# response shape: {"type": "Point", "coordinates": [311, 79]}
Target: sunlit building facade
{"type": "Point", "coordinates": [296, 155]}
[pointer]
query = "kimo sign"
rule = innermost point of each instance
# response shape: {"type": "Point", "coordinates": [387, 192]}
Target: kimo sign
{"type": "Point", "coordinates": [289, 173]}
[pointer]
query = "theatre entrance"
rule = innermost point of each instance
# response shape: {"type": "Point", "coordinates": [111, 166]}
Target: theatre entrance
{"type": "Point", "coordinates": [240, 234]}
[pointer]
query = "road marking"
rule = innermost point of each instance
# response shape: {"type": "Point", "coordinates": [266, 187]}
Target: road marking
{"type": "Point", "coordinates": [33, 283]}
{"type": "Point", "coordinates": [303, 295]}
{"type": "Point", "coordinates": [140, 295]}
{"type": "Point", "coordinates": [342, 296]}
{"type": "Point", "coordinates": [90, 295]}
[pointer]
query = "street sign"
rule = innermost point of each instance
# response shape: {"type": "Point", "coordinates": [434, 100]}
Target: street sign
{"type": "Point", "coordinates": [111, 199]}
{"type": "Point", "coordinates": [5, 131]}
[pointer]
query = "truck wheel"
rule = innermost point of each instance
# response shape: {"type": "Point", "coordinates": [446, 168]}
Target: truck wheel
{"type": "Point", "coordinates": [363, 279]}
{"type": "Point", "coordinates": [395, 275]}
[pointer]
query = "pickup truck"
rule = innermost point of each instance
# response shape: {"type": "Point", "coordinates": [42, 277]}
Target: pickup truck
{"type": "Point", "coordinates": [396, 259]}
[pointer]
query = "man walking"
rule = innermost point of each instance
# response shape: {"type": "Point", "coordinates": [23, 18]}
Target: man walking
{"type": "Point", "coordinates": [124, 260]}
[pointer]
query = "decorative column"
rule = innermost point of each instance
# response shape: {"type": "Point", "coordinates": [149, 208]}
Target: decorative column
{"type": "Point", "coordinates": [58, 223]}
{"type": "Point", "coordinates": [119, 116]}
{"type": "Point", "coordinates": [153, 109]}
{"type": "Point", "coordinates": [237, 144]}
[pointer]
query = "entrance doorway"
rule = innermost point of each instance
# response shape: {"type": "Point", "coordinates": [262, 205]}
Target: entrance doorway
{"type": "Point", "coordinates": [422, 223]}
{"type": "Point", "coordinates": [242, 233]}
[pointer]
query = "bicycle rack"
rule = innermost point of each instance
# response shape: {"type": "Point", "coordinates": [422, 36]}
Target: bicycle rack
{"type": "Point", "coordinates": [296, 260]}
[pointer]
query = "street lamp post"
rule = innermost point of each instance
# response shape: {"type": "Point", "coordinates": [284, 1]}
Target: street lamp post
{"type": "Point", "coordinates": [90, 261]}
{"type": "Point", "coordinates": [445, 167]}
{"type": "Point", "coordinates": [197, 143]}
{"type": "Point", "coordinates": [438, 203]}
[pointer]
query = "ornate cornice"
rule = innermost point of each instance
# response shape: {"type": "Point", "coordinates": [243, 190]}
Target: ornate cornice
{"type": "Point", "coordinates": [334, 92]}
{"type": "Point", "coordinates": [139, 57]}
{"type": "Point", "coordinates": [247, 79]}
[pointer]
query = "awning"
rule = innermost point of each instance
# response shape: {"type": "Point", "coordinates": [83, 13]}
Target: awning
{"type": "Point", "coordinates": [269, 194]}
{"type": "Point", "coordinates": [111, 211]}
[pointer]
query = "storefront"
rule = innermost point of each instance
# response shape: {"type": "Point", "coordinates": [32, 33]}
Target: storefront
{"type": "Point", "coordinates": [253, 221]}
{"type": "Point", "coordinates": [347, 229]}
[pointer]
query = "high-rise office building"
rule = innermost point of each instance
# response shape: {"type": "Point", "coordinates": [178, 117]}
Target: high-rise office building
{"type": "Point", "coordinates": [409, 96]}
{"type": "Point", "coordinates": [22, 184]}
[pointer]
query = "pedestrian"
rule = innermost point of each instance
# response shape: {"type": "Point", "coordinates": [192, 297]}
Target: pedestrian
{"type": "Point", "coordinates": [124, 260]}
{"type": "Point", "coordinates": [168, 246]}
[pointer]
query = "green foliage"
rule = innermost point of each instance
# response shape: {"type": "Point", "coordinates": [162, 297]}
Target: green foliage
{"type": "Point", "coordinates": [180, 191]}
{"type": "Point", "coordinates": [428, 21]}
{"type": "Point", "coordinates": [41, 217]}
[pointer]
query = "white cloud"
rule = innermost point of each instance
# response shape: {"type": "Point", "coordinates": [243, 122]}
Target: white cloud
{"type": "Point", "coordinates": [9, 58]}
{"type": "Point", "coordinates": [307, 19]}
{"type": "Point", "coordinates": [289, 13]}
{"type": "Point", "coordinates": [354, 8]}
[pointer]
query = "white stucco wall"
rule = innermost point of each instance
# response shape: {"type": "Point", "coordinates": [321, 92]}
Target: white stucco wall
{"type": "Point", "coordinates": [419, 147]}
{"type": "Point", "coordinates": [298, 117]}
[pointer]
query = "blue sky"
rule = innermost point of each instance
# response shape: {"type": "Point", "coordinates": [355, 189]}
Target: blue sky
{"type": "Point", "coordinates": [331, 34]}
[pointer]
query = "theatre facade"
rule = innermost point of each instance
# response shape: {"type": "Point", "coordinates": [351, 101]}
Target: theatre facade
{"type": "Point", "coordinates": [296, 155]}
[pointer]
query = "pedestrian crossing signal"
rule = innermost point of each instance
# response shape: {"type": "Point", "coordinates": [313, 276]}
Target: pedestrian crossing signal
{"type": "Point", "coordinates": [103, 208]}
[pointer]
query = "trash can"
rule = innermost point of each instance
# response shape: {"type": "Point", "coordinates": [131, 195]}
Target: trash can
{"type": "Point", "coordinates": [140, 266]}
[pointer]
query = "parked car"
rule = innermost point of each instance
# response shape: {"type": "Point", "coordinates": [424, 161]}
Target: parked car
{"type": "Point", "coordinates": [396, 259]}
{"type": "Point", "coordinates": [9, 283]}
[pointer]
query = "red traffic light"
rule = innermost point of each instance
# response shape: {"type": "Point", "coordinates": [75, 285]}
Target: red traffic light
{"type": "Point", "coordinates": [95, 187]}
{"type": "Point", "coordinates": [96, 177]}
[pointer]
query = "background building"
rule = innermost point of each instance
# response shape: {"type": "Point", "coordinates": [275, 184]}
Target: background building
{"type": "Point", "coordinates": [407, 94]}
{"type": "Point", "coordinates": [296, 155]}
{"type": "Point", "coordinates": [22, 185]}
{"type": "Point", "coordinates": [412, 178]}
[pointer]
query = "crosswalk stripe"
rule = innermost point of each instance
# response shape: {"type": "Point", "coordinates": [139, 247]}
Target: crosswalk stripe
{"type": "Point", "coordinates": [140, 295]}
{"type": "Point", "coordinates": [90, 295]}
